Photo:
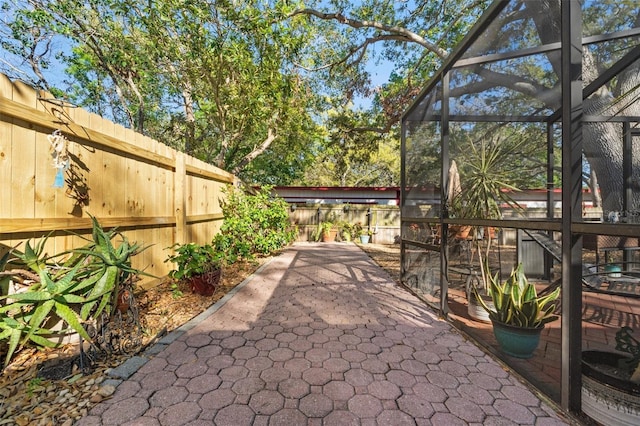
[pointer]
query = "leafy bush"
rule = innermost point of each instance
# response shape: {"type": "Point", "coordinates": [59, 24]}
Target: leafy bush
{"type": "Point", "coordinates": [192, 259]}
{"type": "Point", "coordinates": [254, 224]}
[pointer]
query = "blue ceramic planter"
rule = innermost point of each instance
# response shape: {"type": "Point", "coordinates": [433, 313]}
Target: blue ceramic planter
{"type": "Point", "coordinates": [614, 271]}
{"type": "Point", "coordinates": [517, 341]}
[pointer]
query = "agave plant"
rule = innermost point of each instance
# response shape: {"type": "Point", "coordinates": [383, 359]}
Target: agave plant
{"type": "Point", "coordinates": [74, 286]}
{"type": "Point", "coordinates": [516, 301]}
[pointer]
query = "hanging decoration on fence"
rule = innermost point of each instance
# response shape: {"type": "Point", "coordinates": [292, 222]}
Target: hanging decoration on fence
{"type": "Point", "coordinates": [60, 154]}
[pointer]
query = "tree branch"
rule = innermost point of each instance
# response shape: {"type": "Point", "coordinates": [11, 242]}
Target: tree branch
{"type": "Point", "coordinates": [271, 136]}
{"type": "Point", "coordinates": [407, 35]}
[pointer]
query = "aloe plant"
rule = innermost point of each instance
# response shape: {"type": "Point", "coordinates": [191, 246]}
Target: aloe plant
{"type": "Point", "coordinates": [74, 286]}
{"type": "Point", "coordinates": [516, 301]}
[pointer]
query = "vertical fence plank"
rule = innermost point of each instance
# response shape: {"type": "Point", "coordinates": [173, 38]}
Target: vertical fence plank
{"type": "Point", "coordinates": [116, 177]}
{"type": "Point", "coordinates": [97, 161]}
{"type": "Point", "coordinates": [6, 149]}
{"type": "Point", "coordinates": [180, 198]}
{"type": "Point", "coordinates": [24, 156]}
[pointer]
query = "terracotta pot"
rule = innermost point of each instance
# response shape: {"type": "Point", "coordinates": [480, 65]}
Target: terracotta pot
{"type": "Point", "coordinates": [205, 284]}
{"type": "Point", "coordinates": [460, 231]}
{"type": "Point", "coordinates": [329, 236]}
{"type": "Point", "coordinates": [124, 300]}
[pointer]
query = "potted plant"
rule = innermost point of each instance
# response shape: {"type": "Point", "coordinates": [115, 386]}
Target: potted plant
{"type": "Point", "coordinates": [198, 265]}
{"type": "Point", "coordinates": [325, 232]}
{"type": "Point", "coordinates": [365, 236]}
{"type": "Point", "coordinates": [611, 382]}
{"type": "Point", "coordinates": [483, 186]}
{"type": "Point", "coordinates": [346, 231]}
{"type": "Point", "coordinates": [518, 314]}
{"type": "Point", "coordinates": [612, 269]}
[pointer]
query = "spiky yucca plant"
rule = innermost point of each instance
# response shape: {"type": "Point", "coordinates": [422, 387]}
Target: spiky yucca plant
{"type": "Point", "coordinates": [516, 301]}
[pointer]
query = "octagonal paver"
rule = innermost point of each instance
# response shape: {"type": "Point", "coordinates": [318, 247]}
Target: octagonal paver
{"type": "Point", "coordinates": [466, 410]}
{"type": "Point", "coordinates": [198, 340]}
{"type": "Point", "coordinates": [217, 399]}
{"type": "Point", "coordinates": [287, 417]}
{"type": "Point", "coordinates": [158, 380]}
{"type": "Point", "coordinates": [266, 402]}
{"type": "Point", "coordinates": [234, 415]}
{"type": "Point", "coordinates": [317, 355]}
{"type": "Point", "coordinates": [358, 377]}
{"type": "Point", "coordinates": [266, 344]}
{"type": "Point", "coordinates": [335, 346]}
{"type": "Point", "coordinates": [192, 369]}
{"type": "Point", "coordinates": [275, 375]}
{"type": "Point", "coordinates": [338, 390]}
{"type": "Point", "coordinates": [383, 389]}
{"type": "Point", "coordinates": [293, 388]}
{"type": "Point", "coordinates": [315, 405]}
{"type": "Point", "coordinates": [302, 345]}
{"type": "Point", "coordinates": [316, 376]}
{"type": "Point", "coordinates": [233, 342]}
{"type": "Point", "coordinates": [233, 373]}
{"type": "Point", "coordinates": [514, 411]}
{"type": "Point", "coordinates": [254, 335]}
{"type": "Point", "coordinates": [168, 396]}
{"type": "Point", "coordinates": [341, 418]}
{"type": "Point", "coordinates": [354, 356]}
{"type": "Point", "coordinates": [244, 352]}
{"type": "Point", "coordinates": [258, 363]}
{"type": "Point", "coordinates": [430, 392]}
{"type": "Point", "coordinates": [180, 414]}
{"type": "Point", "coordinates": [416, 406]}
{"type": "Point", "coordinates": [281, 354]}
{"type": "Point", "coordinates": [336, 365]}
{"type": "Point", "coordinates": [401, 378]}
{"type": "Point", "coordinates": [398, 418]}
{"type": "Point", "coordinates": [375, 366]}
{"type": "Point", "coordinates": [365, 406]}
{"type": "Point", "coordinates": [248, 386]}
{"type": "Point", "coordinates": [203, 384]}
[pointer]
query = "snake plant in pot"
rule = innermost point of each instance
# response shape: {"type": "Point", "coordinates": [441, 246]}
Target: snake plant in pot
{"type": "Point", "coordinates": [518, 314]}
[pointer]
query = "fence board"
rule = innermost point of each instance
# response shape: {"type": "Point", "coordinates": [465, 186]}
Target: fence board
{"type": "Point", "coordinates": [5, 149]}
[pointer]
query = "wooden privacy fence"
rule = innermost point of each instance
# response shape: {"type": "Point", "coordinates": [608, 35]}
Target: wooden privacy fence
{"type": "Point", "coordinates": [381, 219]}
{"type": "Point", "coordinates": [154, 194]}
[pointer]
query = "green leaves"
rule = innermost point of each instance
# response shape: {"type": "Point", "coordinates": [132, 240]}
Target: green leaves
{"type": "Point", "coordinates": [192, 259]}
{"type": "Point", "coordinates": [516, 301]}
{"type": "Point", "coordinates": [72, 287]}
{"type": "Point", "coordinates": [254, 224]}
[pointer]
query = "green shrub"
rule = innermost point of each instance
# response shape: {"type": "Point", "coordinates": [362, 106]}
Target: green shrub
{"type": "Point", "coordinates": [254, 224]}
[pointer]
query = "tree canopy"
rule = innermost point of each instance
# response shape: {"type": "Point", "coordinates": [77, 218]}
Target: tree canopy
{"type": "Point", "coordinates": [214, 79]}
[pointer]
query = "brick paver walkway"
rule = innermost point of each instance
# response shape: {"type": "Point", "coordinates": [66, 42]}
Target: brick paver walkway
{"type": "Point", "coordinates": [320, 336]}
